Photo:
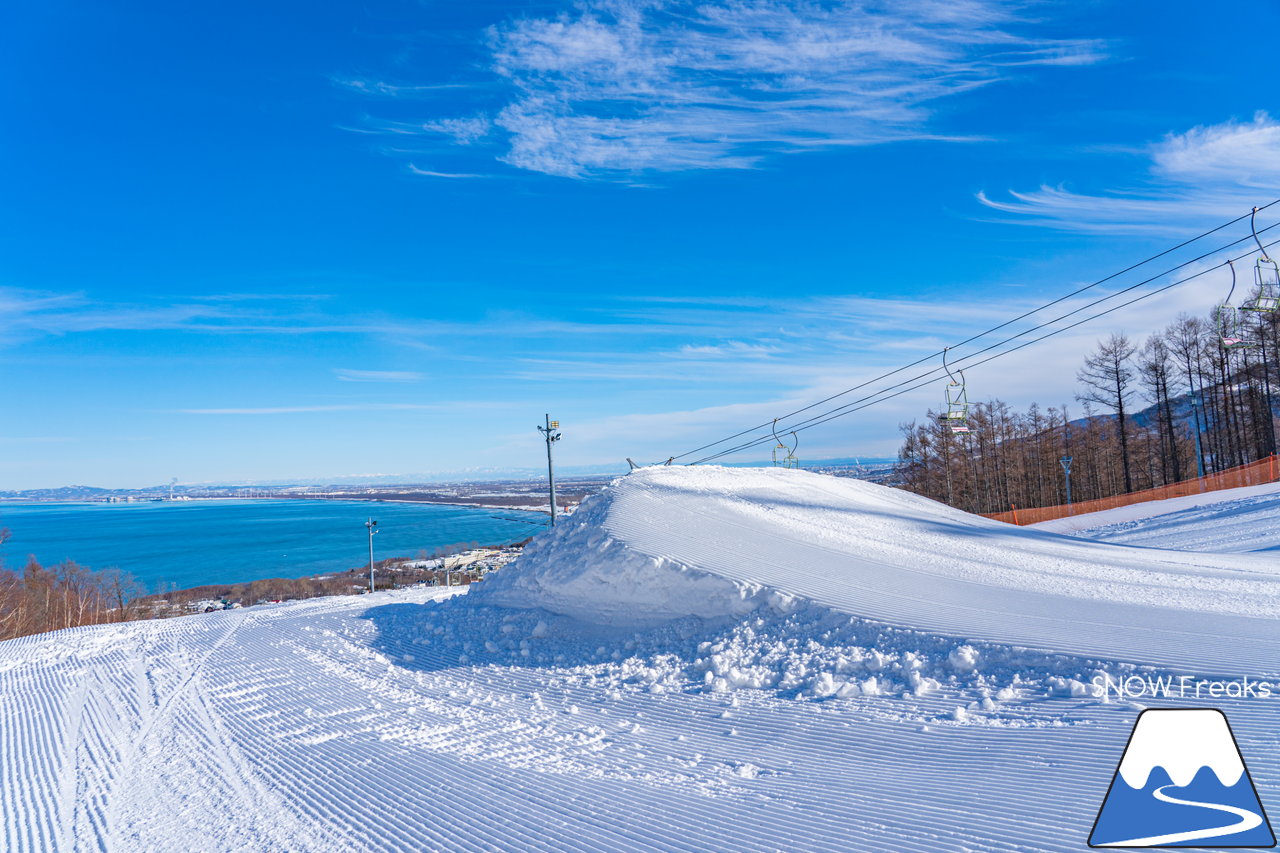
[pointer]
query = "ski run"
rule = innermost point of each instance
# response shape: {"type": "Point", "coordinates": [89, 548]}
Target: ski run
{"type": "Point", "coordinates": [699, 659]}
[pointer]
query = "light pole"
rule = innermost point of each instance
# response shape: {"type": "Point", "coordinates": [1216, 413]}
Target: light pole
{"type": "Point", "coordinates": [1195, 411]}
{"type": "Point", "coordinates": [372, 527]}
{"type": "Point", "coordinates": [550, 433]}
{"type": "Point", "coordinates": [1065, 462]}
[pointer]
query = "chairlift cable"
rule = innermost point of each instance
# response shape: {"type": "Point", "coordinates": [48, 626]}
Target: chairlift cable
{"type": "Point", "coordinates": [929, 376]}
{"type": "Point", "coordinates": [933, 371]}
{"type": "Point", "coordinates": [983, 334]}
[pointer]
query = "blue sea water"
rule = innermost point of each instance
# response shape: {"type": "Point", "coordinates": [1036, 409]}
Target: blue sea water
{"type": "Point", "coordinates": [185, 544]}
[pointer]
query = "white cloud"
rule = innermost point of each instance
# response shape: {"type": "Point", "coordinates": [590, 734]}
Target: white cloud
{"type": "Point", "coordinates": [464, 131]}
{"type": "Point", "coordinates": [295, 410]}
{"type": "Point", "coordinates": [1209, 172]}
{"type": "Point", "coordinates": [730, 349]}
{"type": "Point", "coordinates": [1245, 154]}
{"type": "Point", "coordinates": [623, 87]}
{"type": "Point", "coordinates": [428, 173]}
{"type": "Point", "coordinates": [377, 375]}
{"type": "Point", "coordinates": [26, 313]}
{"type": "Point", "coordinates": [366, 86]}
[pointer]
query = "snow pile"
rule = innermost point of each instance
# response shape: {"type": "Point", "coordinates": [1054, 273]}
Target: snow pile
{"type": "Point", "coordinates": [667, 542]}
{"type": "Point", "coordinates": [800, 652]}
{"type": "Point", "coordinates": [580, 570]}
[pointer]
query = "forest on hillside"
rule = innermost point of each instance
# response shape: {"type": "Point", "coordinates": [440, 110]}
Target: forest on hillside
{"type": "Point", "coordinates": [1178, 405]}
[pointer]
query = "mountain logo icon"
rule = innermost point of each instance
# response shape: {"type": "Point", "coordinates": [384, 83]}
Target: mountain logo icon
{"type": "Point", "coordinates": [1182, 783]}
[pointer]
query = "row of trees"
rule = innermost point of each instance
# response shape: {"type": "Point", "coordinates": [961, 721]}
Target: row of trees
{"type": "Point", "coordinates": [66, 595]}
{"type": "Point", "coordinates": [1176, 406]}
{"type": "Point", "coordinates": [176, 602]}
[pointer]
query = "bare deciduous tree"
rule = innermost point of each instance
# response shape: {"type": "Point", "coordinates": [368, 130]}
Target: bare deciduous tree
{"type": "Point", "coordinates": [1208, 409]}
{"type": "Point", "coordinates": [1107, 375]}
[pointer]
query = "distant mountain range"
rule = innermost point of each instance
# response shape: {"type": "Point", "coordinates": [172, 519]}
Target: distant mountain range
{"type": "Point", "coordinates": [1180, 406]}
{"type": "Point", "coordinates": [465, 475]}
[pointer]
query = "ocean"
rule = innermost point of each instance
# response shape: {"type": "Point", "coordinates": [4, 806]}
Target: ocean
{"type": "Point", "coordinates": [193, 543]}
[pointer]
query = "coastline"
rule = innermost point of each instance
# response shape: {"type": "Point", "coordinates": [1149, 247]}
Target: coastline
{"type": "Point", "coordinates": [540, 508]}
{"type": "Point", "coordinates": [390, 573]}
{"type": "Point", "coordinates": [197, 543]}
{"type": "Point", "coordinates": [351, 498]}
{"type": "Point", "coordinates": [544, 510]}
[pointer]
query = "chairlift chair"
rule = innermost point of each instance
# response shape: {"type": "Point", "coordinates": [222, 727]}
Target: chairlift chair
{"type": "Point", "coordinates": [1231, 328]}
{"type": "Point", "coordinates": [1266, 277]}
{"type": "Point", "coordinates": [956, 416]}
{"type": "Point", "coordinates": [1229, 322]}
{"type": "Point", "coordinates": [788, 459]}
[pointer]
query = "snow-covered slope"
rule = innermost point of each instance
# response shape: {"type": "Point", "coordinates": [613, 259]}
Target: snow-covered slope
{"type": "Point", "coordinates": [699, 659]}
{"type": "Point", "coordinates": [709, 541]}
{"type": "Point", "coordinates": [1226, 521]}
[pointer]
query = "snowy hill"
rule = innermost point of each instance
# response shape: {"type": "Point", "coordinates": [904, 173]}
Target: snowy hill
{"type": "Point", "coordinates": [1229, 520]}
{"type": "Point", "coordinates": [716, 541]}
{"type": "Point", "coordinates": [699, 659]}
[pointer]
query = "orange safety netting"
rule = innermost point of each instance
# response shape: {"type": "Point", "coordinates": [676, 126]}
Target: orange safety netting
{"type": "Point", "coordinates": [1253, 474]}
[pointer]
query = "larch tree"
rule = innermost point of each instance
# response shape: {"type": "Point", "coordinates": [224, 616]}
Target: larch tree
{"type": "Point", "coordinates": [1107, 375]}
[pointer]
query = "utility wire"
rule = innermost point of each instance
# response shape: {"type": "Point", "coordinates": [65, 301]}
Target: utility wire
{"type": "Point", "coordinates": [929, 376]}
{"type": "Point", "coordinates": [983, 334]}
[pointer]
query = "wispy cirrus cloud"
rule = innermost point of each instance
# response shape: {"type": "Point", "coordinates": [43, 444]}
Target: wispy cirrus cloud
{"type": "Point", "coordinates": [31, 314]}
{"type": "Point", "coordinates": [731, 349]}
{"type": "Point", "coordinates": [1207, 172]}
{"type": "Point", "coordinates": [618, 88]}
{"type": "Point", "coordinates": [431, 173]}
{"type": "Point", "coordinates": [345, 375]}
{"type": "Point", "coordinates": [297, 410]}
{"type": "Point", "coordinates": [27, 313]}
{"type": "Point", "coordinates": [370, 86]}
{"type": "Point", "coordinates": [304, 409]}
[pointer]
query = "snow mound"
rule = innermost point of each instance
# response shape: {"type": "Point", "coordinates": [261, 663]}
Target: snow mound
{"type": "Point", "coordinates": [583, 571]}
{"type": "Point", "coordinates": [666, 542]}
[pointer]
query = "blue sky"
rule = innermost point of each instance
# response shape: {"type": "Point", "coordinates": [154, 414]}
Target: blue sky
{"type": "Point", "coordinates": [256, 241]}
